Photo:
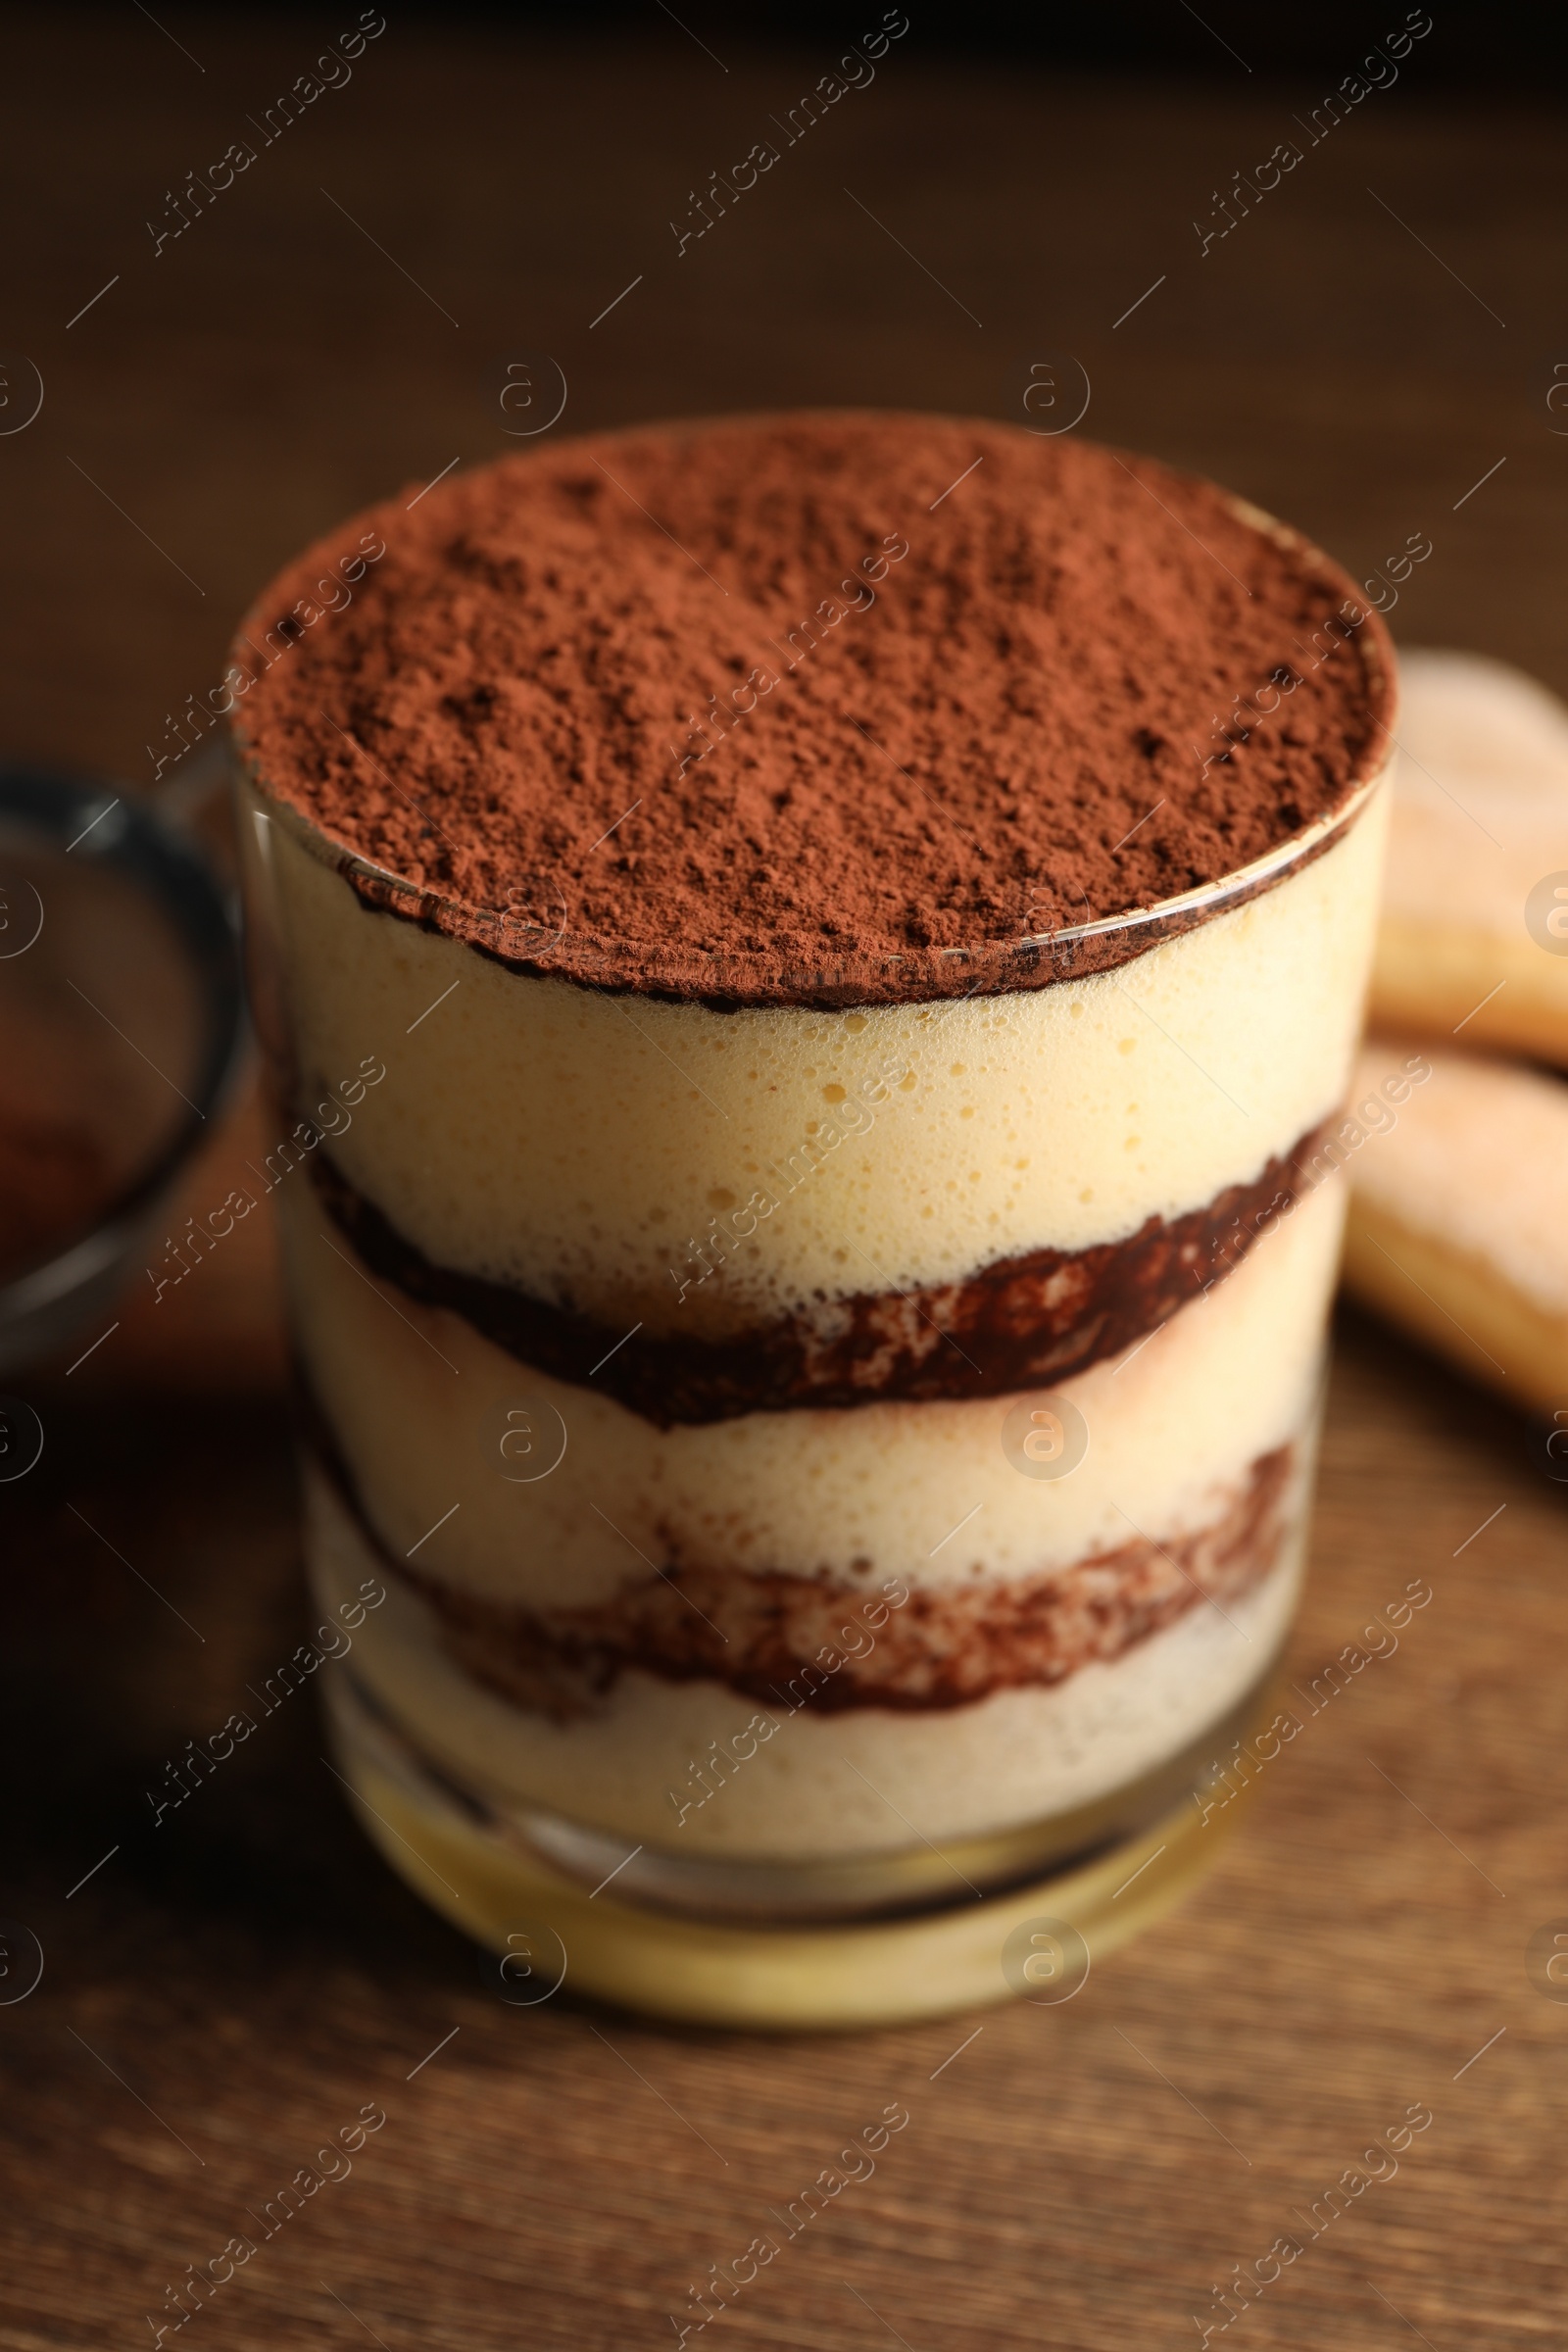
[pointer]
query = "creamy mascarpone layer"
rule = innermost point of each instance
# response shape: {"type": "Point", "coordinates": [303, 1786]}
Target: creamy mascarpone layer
{"type": "Point", "coordinates": [811, 1789]}
{"type": "Point", "coordinates": [572, 1142]}
{"type": "Point", "coordinates": [419, 1401]}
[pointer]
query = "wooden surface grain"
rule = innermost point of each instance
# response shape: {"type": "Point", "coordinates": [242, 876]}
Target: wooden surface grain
{"type": "Point", "coordinates": [225, 1992]}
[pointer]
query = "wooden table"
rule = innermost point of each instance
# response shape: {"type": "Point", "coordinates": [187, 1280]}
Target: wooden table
{"type": "Point", "coordinates": [224, 1992]}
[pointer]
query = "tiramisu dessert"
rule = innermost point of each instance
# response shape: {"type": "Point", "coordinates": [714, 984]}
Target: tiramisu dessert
{"type": "Point", "coordinates": [809, 959]}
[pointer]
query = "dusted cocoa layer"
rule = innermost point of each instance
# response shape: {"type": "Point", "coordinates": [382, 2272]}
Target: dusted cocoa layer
{"type": "Point", "coordinates": [814, 709]}
{"type": "Point", "coordinates": [832, 1645]}
{"type": "Point", "coordinates": [523, 939]}
{"type": "Point", "coordinates": [1022, 1323]}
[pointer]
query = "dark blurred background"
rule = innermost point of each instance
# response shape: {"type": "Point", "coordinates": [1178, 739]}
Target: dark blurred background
{"type": "Point", "coordinates": [1373, 336]}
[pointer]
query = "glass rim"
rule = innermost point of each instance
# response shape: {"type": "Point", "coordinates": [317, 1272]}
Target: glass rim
{"type": "Point", "coordinates": [1014, 963]}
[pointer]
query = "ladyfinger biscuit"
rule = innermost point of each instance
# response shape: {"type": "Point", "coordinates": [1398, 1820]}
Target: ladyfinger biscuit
{"type": "Point", "coordinates": [1458, 1220]}
{"type": "Point", "coordinates": [1474, 933]}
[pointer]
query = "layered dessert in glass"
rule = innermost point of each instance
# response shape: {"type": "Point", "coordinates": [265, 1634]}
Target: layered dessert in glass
{"type": "Point", "coordinates": [810, 964]}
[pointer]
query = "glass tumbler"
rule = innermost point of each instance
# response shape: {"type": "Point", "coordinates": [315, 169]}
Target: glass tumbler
{"type": "Point", "coordinates": [794, 1567]}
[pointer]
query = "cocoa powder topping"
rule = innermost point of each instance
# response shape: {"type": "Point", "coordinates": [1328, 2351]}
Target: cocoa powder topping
{"type": "Point", "coordinates": [814, 707]}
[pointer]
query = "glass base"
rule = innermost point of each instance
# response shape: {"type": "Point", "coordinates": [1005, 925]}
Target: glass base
{"type": "Point", "coordinates": [1036, 1939]}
